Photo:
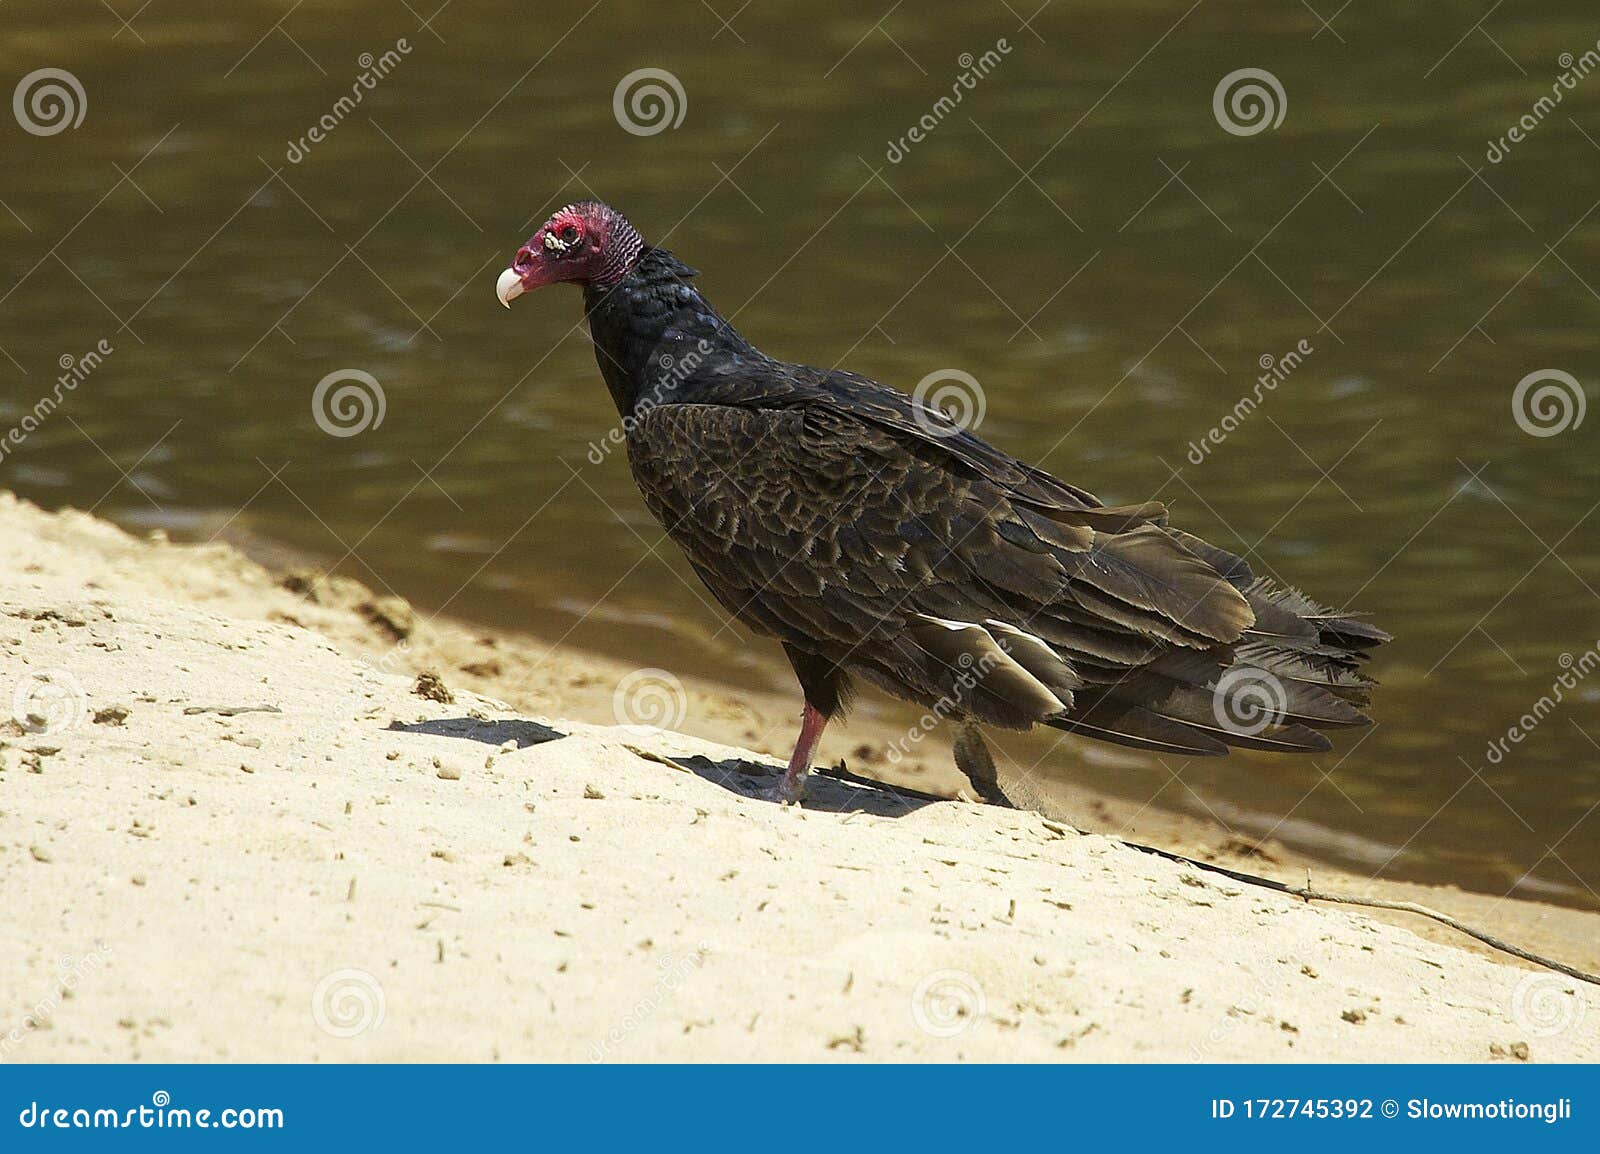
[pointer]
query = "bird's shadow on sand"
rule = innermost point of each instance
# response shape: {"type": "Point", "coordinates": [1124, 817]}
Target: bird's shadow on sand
{"type": "Point", "coordinates": [523, 732]}
{"type": "Point", "coordinates": [830, 790]}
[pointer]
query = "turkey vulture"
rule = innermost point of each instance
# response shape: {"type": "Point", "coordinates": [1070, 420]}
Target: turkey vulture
{"type": "Point", "coordinates": [876, 539]}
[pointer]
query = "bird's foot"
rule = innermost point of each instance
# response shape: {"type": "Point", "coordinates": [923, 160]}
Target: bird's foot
{"type": "Point", "coordinates": [994, 795]}
{"type": "Point", "coordinates": [791, 786]}
{"type": "Point", "coordinates": [973, 759]}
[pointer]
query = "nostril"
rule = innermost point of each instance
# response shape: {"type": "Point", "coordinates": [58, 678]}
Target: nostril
{"type": "Point", "coordinates": [524, 259]}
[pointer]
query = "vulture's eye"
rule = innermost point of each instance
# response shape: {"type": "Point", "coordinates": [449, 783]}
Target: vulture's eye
{"type": "Point", "coordinates": [569, 234]}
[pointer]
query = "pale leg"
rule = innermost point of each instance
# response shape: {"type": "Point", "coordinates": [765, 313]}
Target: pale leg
{"type": "Point", "coordinates": [793, 786]}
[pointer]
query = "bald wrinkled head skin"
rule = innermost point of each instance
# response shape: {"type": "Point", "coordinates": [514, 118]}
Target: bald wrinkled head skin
{"type": "Point", "coordinates": [588, 243]}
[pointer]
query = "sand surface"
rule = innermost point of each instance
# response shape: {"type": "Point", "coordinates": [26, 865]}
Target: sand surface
{"type": "Point", "coordinates": [231, 828]}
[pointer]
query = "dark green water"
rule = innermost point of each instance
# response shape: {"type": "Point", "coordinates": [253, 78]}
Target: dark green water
{"type": "Point", "coordinates": [1080, 234]}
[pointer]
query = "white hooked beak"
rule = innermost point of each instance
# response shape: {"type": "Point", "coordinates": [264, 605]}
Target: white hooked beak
{"type": "Point", "coordinates": [509, 287]}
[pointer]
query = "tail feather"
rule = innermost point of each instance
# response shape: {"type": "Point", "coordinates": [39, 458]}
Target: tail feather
{"type": "Point", "coordinates": [1141, 727]}
{"type": "Point", "coordinates": [1161, 642]}
{"type": "Point", "coordinates": [1138, 728]}
{"type": "Point", "coordinates": [1341, 629]}
{"type": "Point", "coordinates": [1233, 697]}
{"type": "Point", "coordinates": [1333, 674]}
{"type": "Point", "coordinates": [1293, 673]}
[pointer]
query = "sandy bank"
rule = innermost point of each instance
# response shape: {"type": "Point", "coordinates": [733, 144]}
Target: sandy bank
{"type": "Point", "coordinates": [237, 840]}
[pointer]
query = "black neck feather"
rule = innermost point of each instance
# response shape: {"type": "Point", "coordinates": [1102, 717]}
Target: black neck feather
{"type": "Point", "coordinates": [652, 331]}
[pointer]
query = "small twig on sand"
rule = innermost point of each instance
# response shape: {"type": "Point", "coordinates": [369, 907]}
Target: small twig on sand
{"type": "Point", "coordinates": [1307, 893]}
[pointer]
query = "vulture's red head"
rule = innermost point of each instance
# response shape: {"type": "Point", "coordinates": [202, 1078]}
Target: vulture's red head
{"type": "Point", "coordinates": [588, 243]}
